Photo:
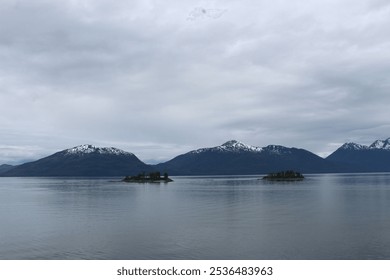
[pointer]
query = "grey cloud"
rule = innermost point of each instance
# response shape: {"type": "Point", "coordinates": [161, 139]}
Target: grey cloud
{"type": "Point", "coordinates": [140, 75]}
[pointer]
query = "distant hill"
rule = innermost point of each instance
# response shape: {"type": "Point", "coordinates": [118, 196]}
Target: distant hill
{"type": "Point", "coordinates": [234, 158]}
{"type": "Point", "coordinates": [5, 168]}
{"type": "Point", "coordinates": [84, 160]}
{"type": "Point", "coordinates": [360, 158]}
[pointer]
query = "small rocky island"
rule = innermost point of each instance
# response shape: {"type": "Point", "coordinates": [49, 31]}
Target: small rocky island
{"type": "Point", "coordinates": [153, 177]}
{"type": "Point", "coordinates": [288, 175]}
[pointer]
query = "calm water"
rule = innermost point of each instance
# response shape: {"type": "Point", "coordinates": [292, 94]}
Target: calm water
{"type": "Point", "coordinates": [324, 217]}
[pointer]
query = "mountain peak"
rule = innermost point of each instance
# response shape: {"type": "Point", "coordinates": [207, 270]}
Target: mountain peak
{"type": "Point", "coordinates": [381, 144]}
{"type": "Point", "coordinates": [230, 146]}
{"type": "Point", "coordinates": [231, 143]}
{"type": "Point", "coordinates": [353, 146]}
{"type": "Point", "coordinates": [237, 146]}
{"type": "Point", "coordinates": [88, 149]}
{"type": "Point", "coordinates": [278, 149]}
{"type": "Point", "coordinates": [84, 160]}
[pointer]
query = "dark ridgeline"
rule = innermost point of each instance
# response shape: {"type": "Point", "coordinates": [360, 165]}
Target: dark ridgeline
{"type": "Point", "coordinates": [85, 160]}
{"type": "Point", "coordinates": [360, 158]}
{"type": "Point", "coordinates": [235, 158]}
{"type": "Point", "coordinates": [231, 158]}
{"type": "Point", "coordinates": [5, 168]}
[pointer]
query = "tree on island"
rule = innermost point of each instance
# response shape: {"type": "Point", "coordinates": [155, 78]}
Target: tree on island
{"type": "Point", "coordinates": [289, 174]}
{"type": "Point", "coordinates": [151, 177]}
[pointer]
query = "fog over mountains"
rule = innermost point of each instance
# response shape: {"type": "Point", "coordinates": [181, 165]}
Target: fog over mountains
{"type": "Point", "coordinates": [230, 158]}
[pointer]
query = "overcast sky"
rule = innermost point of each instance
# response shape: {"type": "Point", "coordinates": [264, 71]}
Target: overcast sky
{"type": "Point", "coordinates": [160, 78]}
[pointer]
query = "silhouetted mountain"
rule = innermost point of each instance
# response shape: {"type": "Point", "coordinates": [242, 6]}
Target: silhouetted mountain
{"type": "Point", "coordinates": [84, 160]}
{"type": "Point", "coordinates": [231, 158]}
{"type": "Point", "coordinates": [5, 168]}
{"type": "Point", "coordinates": [234, 158]}
{"type": "Point", "coordinates": [360, 158]}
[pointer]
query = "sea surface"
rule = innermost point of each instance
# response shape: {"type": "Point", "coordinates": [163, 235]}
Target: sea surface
{"type": "Point", "coordinates": [327, 216]}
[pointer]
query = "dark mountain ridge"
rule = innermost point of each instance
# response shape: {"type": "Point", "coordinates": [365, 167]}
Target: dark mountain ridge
{"type": "Point", "coordinates": [361, 158]}
{"type": "Point", "coordinates": [236, 158]}
{"type": "Point", "coordinates": [5, 168]}
{"type": "Point", "coordinates": [230, 158]}
{"type": "Point", "coordinates": [84, 160]}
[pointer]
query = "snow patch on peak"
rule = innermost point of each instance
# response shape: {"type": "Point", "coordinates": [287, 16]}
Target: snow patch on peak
{"type": "Point", "coordinates": [377, 145]}
{"type": "Point", "coordinates": [234, 145]}
{"type": "Point", "coordinates": [231, 143]}
{"type": "Point", "coordinates": [230, 146]}
{"type": "Point", "coordinates": [277, 149]}
{"type": "Point", "coordinates": [87, 149]}
{"type": "Point", "coordinates": [353, 146]}
{"type": "Point", "coordinates": [381, 144]}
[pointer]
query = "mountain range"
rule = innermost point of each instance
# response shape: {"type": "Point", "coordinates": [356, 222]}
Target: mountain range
{"type": "Point", "coordinates": [234, 158]}
{"type": "Point", "coordinates": [230, 158]}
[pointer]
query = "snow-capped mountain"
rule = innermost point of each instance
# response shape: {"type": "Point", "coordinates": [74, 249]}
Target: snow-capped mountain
{"type": "Point", "coordinates": [381, 144]}
{"type": "Point", "coordinates": [234, 157]}
{"type": "Point", "coordinates": [88, 149]}
{"type": "Point", "coordinates": [83, 160]}
{"type": "Point", "coordinates": [361, 158]}
{"type": "Point", "coordinates": [353, 146]}
{"type": "Point", "coordinates": [230, 146]}
{"type": "Point", "coordinates": [378, 144]}
{"type": "Point", "coordinates": [234, 146]}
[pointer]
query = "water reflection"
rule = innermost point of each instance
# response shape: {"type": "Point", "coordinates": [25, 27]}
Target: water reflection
{"type": "Point", "coordinates": [334, 216]}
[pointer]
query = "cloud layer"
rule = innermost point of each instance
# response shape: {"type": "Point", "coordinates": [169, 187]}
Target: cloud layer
{"type": "Point", "coordinates": [159, 78]}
